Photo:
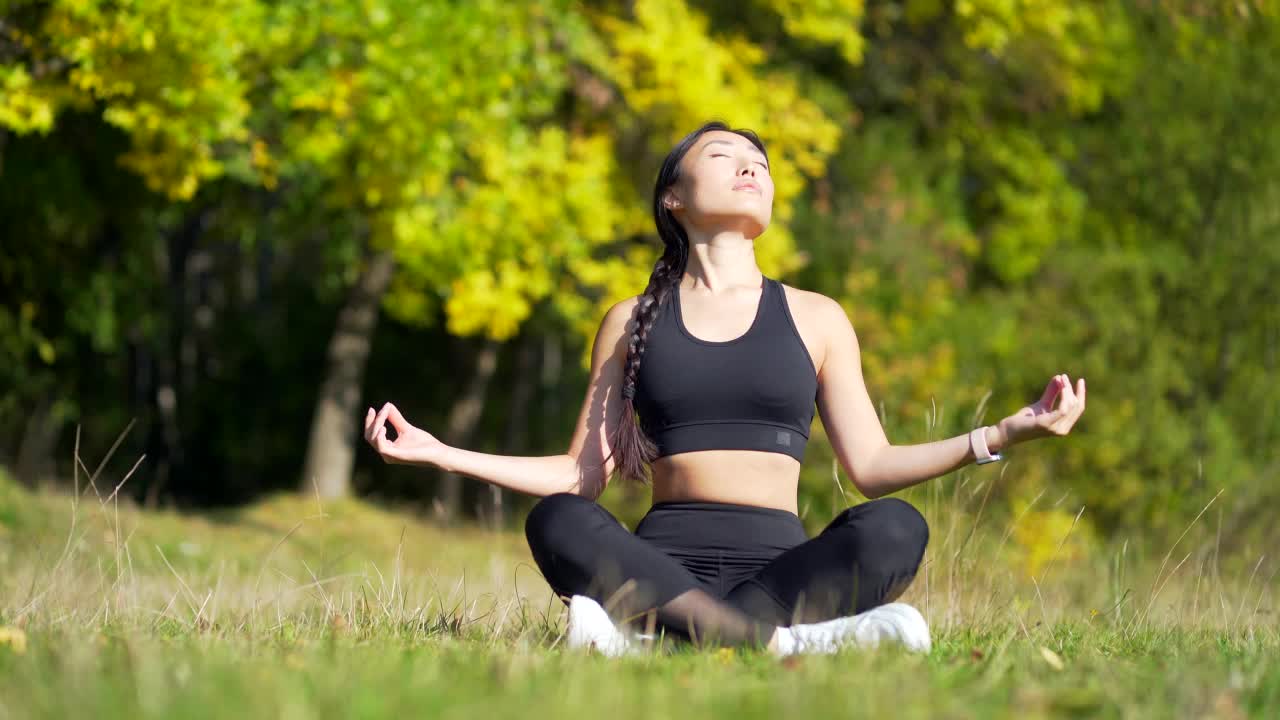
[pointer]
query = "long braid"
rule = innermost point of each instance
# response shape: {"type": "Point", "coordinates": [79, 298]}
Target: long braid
{"type": "Point", "coordinates": [634, 448]}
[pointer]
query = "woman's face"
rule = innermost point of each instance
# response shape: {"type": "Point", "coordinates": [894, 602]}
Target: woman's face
{"type": "Point", "coordinates": [724, 185]}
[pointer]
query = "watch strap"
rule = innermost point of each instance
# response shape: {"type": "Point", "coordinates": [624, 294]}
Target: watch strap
{"type": "Point", "coordinates": [978, 441]}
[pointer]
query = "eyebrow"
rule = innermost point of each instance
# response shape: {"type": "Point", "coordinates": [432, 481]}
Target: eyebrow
{"type": "Point", "coordinates": [730, 144]}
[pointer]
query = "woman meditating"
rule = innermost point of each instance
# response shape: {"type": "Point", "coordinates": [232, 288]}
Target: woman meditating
{"type": "Point", "coordinates": [706, 385]}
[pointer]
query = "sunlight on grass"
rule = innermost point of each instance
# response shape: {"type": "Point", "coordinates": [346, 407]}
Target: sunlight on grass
{"type": "Point", "coordinates": [289, 607]}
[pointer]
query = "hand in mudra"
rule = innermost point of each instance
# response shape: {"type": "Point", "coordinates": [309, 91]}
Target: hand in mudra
{"type": "Point", "coordinates": [1041, 419]}
{"type": "Point", "coordinates": [412, 446]}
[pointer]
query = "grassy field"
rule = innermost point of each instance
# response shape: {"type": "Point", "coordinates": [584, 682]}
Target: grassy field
{"type": "Point", "coordinates": [293, 609]}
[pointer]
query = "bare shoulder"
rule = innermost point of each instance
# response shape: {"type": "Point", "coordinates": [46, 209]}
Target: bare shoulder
{"type": "Point", "coordinates": [615, 327]}
{"type": "Point", "coordinates": [821, 321]}
{"type": "Point", "coordinates": [619, 315]}
{"type": "Point", "coordinates": [809, 303]}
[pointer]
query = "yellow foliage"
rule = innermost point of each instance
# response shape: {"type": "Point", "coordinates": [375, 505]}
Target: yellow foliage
{"type": "Point", "coordinates": [1051, 535]}
{"type": "Point", "coordinates": [539, 206]}
{"type": "Point", "coordinates": [262, 160]}
{"type": "Point", "coordinates": [834, 22]}
{"type": "Point", "coordinates": [1065, 36]}
{"type": "Point", "coordinates": [166, 72]}
{"type": "Point", "coordinates": [441, 125]}
{"type": "Point", "coordinates": [492, 301]}
{"type": "Point", "coordinates": [670, 68]}
{"type": "Point", "coordinates": [13, 638]}
{"type": "Point", "coordinates": [22, 107]}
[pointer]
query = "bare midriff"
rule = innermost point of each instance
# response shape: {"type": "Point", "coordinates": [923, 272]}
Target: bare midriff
{"type": "Point", "coordinates": [740, 477]}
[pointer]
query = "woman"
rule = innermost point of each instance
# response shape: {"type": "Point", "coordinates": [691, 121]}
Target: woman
{"type": "Point", "coordinates": [708, 381]}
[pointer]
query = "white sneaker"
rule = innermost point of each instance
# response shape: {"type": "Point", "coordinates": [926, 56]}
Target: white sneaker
{"type": "Point", "coordinates": [892, 623]}
{"type": "Point", "coordinates": [591, 627]}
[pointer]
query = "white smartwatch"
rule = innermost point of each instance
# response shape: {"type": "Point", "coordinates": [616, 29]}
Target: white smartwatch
{"type": "Point", "coordinates": [978, 441]}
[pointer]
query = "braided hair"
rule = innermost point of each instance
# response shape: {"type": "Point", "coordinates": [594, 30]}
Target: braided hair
{"type": "Point", "coordinates": [634, 450]}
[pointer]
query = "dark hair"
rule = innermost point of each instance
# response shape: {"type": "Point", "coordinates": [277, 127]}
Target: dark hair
{"type": "Point", "coordinates": [633, 449]}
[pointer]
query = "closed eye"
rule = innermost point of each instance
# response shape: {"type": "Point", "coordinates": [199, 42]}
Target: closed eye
{"type": "Point", "coordinates": [761, 164]}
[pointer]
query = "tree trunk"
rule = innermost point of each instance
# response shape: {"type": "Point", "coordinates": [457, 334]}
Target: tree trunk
{"type": "Point", "coordinates": [35, 465]}
{"type": "Point", "coordinates": [552, 359]}
{"type": "Point", "coordinates": [463, 419]}
{"type": "Point", "coordinates": [169, 392]}
{"type": "Point", "coordinates": [331, 448]}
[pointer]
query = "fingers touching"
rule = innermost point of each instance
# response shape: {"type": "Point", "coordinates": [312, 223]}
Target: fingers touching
{"type": "Point", "coordinates": [375, 429]}
{"type": "Point", "coordinates": [1070, 403]}
{"type": "Point", "coordinates": [396, 419]}
{"type": "Point", "coordinates": [1051, 392]}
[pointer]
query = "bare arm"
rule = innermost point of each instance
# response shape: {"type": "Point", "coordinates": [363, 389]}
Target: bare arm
{"type": "Point", "coordinates": [877, 467]}
{"type": "Point", "coordinates": [583, 470]}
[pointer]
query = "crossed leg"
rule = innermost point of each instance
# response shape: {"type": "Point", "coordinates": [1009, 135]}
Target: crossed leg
{"type": "Point", "coordinates": [582, 549]}
{"type": "Point", "coordinates": [865, 557]}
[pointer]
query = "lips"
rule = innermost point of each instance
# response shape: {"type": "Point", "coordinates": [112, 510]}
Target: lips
{"type": "Point", "coordinates": [748, 186]}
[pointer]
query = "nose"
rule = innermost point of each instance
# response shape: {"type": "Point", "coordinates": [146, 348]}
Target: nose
{"type": "Point", "coordinates": [747, 169]}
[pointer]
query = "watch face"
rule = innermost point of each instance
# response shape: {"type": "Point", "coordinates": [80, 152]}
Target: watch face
{"type": "Point", "coordinates": [991, 459]}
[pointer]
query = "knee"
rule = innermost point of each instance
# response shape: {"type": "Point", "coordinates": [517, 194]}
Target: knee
{"type": "Point", "coordinates": [894, 527]}
{"type": "Point", "coordinates": [552, 520]}
{"type": "Point", "coordinates": [900, 521]}
{"type": "Point", "coordinates": [902, 528]}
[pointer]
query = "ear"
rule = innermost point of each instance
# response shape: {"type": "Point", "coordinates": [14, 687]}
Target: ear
{"type": "Point", "coordinates": [671, 201]}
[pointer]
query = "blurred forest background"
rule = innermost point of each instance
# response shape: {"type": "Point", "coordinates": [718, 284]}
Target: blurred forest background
{"type": "Point", "coordinates": [229, 227]}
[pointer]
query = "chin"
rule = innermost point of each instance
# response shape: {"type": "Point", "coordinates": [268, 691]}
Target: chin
{"type": "Point", "coordinates": [748, 220]}
{"type": "Point", "coordinates": [753, 227]}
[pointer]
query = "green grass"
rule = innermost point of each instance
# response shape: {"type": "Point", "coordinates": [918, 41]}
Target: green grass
{"type": "Point", "coordinates": [289, 609]}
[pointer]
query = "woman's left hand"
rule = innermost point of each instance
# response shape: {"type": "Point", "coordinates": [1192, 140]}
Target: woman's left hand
{"type": "Point", "coordinates": [1041, 419]}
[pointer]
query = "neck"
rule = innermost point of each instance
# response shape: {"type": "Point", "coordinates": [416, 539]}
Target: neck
{"type": "Point", "coordinates": [721, 261]}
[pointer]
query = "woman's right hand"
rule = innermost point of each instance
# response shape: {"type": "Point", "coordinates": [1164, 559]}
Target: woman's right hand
{"type": "Point", "coordinates": [412, 446]}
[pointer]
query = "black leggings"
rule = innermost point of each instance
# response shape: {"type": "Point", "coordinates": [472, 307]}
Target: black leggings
{"type": "Point", "coordinates": [727, 573]}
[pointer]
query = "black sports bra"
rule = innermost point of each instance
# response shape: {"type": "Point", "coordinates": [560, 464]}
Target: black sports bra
{"type": "Point", "coordinates": [755, 392]}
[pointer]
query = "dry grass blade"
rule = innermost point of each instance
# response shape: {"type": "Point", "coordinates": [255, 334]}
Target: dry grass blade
{"type": "Point", "coordinates": [110, 453]}
{"type": "Point", "coordinates": [1155, 584]}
